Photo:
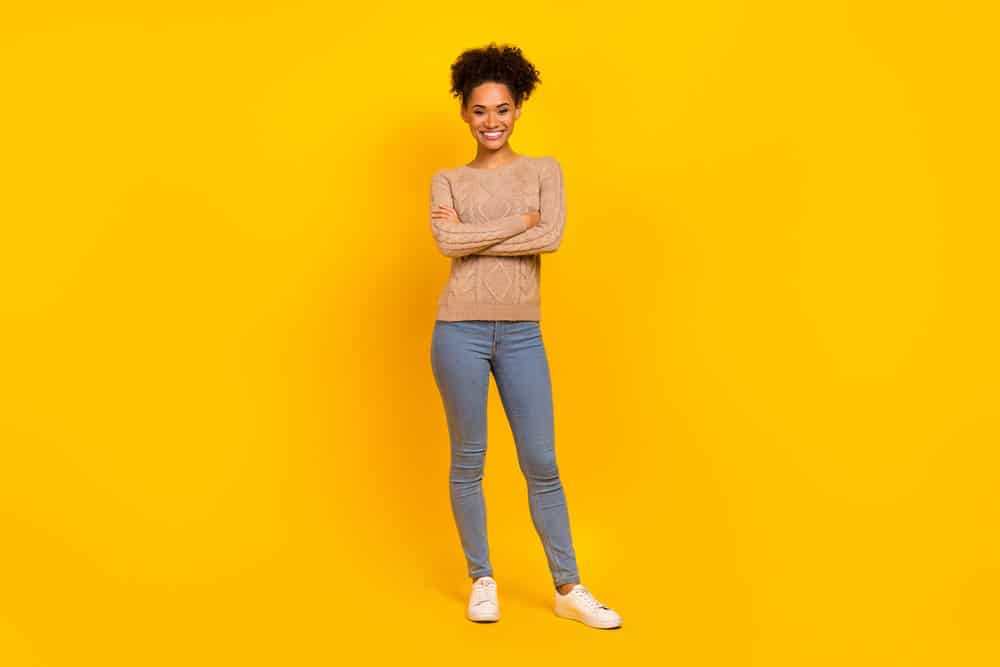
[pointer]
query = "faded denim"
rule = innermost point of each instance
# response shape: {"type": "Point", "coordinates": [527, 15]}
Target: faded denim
{"type": "Point", "coordinates": [463, 353]}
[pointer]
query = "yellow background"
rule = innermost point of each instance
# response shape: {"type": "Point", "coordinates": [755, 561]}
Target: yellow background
{"type": "Point", "coordinates": [771, 325]}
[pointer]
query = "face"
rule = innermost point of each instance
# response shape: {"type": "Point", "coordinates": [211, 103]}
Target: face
{"type": "Point", "coordinates": [491, 114]}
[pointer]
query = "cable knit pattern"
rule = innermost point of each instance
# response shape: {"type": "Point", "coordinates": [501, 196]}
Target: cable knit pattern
{"type": "Point", "coordinates": [496, 263]}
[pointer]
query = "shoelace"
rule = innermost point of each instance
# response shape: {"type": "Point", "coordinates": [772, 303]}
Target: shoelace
{"type": "Point", "coordinates": [588, 598]}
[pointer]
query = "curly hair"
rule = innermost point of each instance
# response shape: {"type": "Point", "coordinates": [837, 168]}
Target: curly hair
{"type": "Point", "coordinates": [501, 64]}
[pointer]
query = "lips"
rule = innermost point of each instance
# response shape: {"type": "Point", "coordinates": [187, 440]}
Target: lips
{"type": "Point", "coordinates": [492, 136]}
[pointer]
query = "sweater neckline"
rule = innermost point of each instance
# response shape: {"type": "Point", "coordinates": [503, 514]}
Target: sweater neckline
{"type": "Point", "coordinates": [503, 166]}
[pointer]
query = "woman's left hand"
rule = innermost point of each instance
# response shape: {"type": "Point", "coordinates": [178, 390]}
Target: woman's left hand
{"type": "Point", "coordinates": [445, 213]}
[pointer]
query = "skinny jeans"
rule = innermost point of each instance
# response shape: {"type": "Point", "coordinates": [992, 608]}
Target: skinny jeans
{"type": "Point", "coordinates": [463, 354]}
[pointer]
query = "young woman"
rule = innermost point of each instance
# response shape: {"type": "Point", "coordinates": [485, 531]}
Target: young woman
{"type": "Point", "coordinates": [494, 218]}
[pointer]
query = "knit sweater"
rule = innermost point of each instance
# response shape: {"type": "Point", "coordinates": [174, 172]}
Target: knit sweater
{"type": "Point", "coordinates": [495, 258]}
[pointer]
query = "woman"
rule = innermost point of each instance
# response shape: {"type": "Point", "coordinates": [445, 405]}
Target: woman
{"type": "Point", "coordinates": [494, 217]}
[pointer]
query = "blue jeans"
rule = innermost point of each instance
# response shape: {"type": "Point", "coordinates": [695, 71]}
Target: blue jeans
{"type": "Point", "coordinates": [462, 355]}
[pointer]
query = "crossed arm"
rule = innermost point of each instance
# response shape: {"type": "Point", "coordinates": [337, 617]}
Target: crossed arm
{"type": "Point", "coordinates": [509, 235]}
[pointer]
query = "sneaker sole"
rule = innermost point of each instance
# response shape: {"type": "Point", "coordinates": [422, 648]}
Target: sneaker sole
{"type": "Point", "coordinates": [573, 617]}
{"type": "Point", "coordinates": [483, 620]}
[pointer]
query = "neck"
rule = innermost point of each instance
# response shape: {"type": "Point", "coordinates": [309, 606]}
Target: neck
{"type": "Point", "coordinates": [487, 158]}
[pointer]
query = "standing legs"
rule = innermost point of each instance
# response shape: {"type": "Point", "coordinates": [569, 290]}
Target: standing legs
{"type": "Point", "coordinates": [521, 368]}
{"type": "Point", "coordinates": [462, 355]}
{"type": "Point", "coordinates": [460, 360]}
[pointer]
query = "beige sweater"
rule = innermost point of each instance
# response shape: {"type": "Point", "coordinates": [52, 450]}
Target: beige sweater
{"type": "Point", "coordinates": [496, 263]}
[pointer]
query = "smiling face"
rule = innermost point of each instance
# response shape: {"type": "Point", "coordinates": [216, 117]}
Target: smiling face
{"type": "Point", "coordinates": [490, 113]}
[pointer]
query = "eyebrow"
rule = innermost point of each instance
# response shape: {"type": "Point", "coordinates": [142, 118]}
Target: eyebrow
{"type": "Point", "coordinates": [484, 106]}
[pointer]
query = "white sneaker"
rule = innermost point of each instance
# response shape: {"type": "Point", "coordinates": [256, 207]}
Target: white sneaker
{"type": "Point", "coordinates": [483, 603]}
{"type": "Point", "coordinates": [580, 605]}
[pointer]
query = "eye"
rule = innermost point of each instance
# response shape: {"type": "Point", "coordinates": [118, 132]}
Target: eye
{"type": "Point", "coordinates": [503, 111]}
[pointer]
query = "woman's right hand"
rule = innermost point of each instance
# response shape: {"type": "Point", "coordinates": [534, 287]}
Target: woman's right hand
{"type": "Point", "coordinates": [531, 218]}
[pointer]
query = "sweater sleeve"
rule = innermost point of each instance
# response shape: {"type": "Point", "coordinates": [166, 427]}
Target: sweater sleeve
{"type": "Point", "coordinates": [547, 234]}
{"type": "Point", "coordinates": [460, 239]}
